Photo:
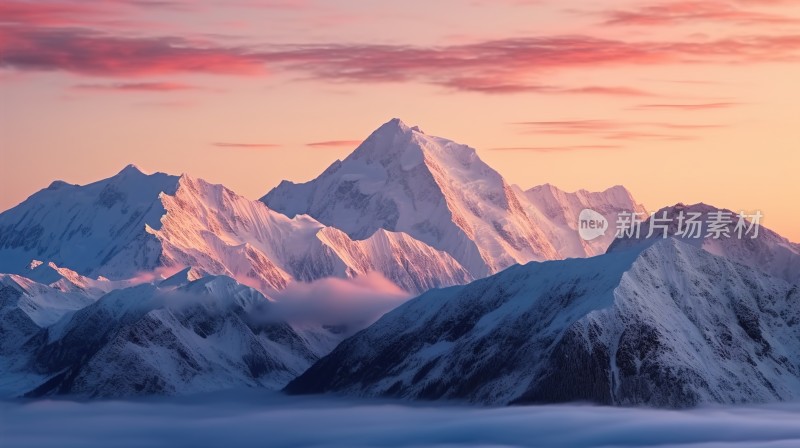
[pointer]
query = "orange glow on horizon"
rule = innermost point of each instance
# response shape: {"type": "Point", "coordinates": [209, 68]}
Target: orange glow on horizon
{"type": "Point", "coordinates": [678, 105]}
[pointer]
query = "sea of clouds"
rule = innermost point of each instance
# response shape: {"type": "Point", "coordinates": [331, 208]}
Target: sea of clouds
{"type": "Point", "coordinates": [259, 419]}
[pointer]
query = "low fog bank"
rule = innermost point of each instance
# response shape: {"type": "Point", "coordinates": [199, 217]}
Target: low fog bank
{"type": "Point", "coordinates": [356, 302]}
{"type": "Point", "coordinates": [257, 419]}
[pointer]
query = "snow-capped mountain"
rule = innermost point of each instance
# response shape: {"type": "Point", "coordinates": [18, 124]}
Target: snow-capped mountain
{"type": "Point", "coordinates": [210, 334]}
{"type": "Point", "coordinates": [134, 225]}
{"type": "Point", "coordinates": [661, 325]}
{"type": "Point", "coordinates": [433, 189]}
{"type": "Point", "coordinates": [157, 284]}
{"type": "Point", "coordinates": [189, 333]}
{"type": "Point", "coordinates": [765, 250]}
{"type": "Point", "coordinates": [26, 308]}
{"type": "Point", "coordinates": [67, 280]}
{"type": "Point", "coordinates": [28, 305]}
{"type": "Point", "coordinates": [423, 211]}
{"type": "Point", "coordinates": [96, 229]}
{"type": "Point", "coordinates": [561, 210]}
{"type": "Point", "coordinates": [441, 193]}
{"type": "Point", "coordinates": [216, 231]}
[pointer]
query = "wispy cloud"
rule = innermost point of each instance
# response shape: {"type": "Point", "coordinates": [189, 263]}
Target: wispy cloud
{"type": "Point", "coordinates": [557, 148]}
{"type": "Point", "coordinates": [238, 145]}
{"type": "Point", "coordinates": [687, 107]}
{"type": "Point", "coordinates": [41, 41]}
{"type": "Point", "coordinates": [681, 12]}
{"type": "Point", "coordinates": [355, 303]}
{"type": "Point", "coordinates": [139, 87]}
{"type": "Point", "coordinates": [509, 65]}
{"type": "Point", "coordinates": [270, 4]}
{"type": "Point", "coordinates": [86, 14]}
{"type": "Point", "coordinates": [50, 13]}
{"type": "Point", "coordinates": [633, 135]}
{"type": "Point", "coordinates": [685, 81]}
{"type": "Point", "coordinates": [175, 104]}
{"type": "Point", "coordinates": [614, 129]}
{"type": "Point", "coordinates": [97, 53]}
{"type": "Point", "coordinates": [74, 12]}
{"type": "Point", "coordinates": [609, 90]}
{"type": "Point", "coordinates": [498, 84]}
{"type": "Point", "coordinates": [571, 126]}
{"type": "Point", "coordinates": [335, 144]}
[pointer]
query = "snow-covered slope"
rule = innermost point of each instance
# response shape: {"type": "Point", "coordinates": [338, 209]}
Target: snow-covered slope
{"type": "Point", "coordinates": [67, 280]}
{"type": "Point", "coordinates": [561, 211]}
{"type": "Point", "coordinates": [210, 334]}
{"type": "Point", "coordinates": [28, 305]}
{"type": "Point", "coordinates": [189, 333]}
{"type": "Point", "coordinates": [768, 251]}
{"type": "Point", "coordinates": [92, 229]}
{"type": "Point", "coordinates": [216, 231]}
{"type": "Point", "coordinates": [441, 193]}
{"type": "Point", "coordinates": [26, 308]}
{"type": "Point", "coordinates": [423, 211]}
{"type": "Point", "coordinates": [669, 325]}
{"type": "Point", "coordinates": [137, 227]}
{"type": "Point", "coordinates": [433, 189]}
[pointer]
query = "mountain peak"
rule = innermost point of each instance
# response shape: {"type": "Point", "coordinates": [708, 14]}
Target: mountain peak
{"type": "Point", "coordinates": [546, 187]}
{"type": "Point", "coordinates": [392, 142]}
{"type": "Point", "coordinates": [396, 143]}
{"type": "Point", "coordinates": [183, 277]}
{"type": "Point", "coordinates": [189, 180]}
{"type": "Point", "coordinates": [765, 250]}
{"type": "Point", "coordinates": [434, 189]}
{"type": "Point", "coordinates": [397, 126]}
{"type": "Point", "coordinates": [396, 123]}
{"type": "Point", "coordinates": [130, 169]}
{"type": "Point", "coordinates": [617, 189]}
{"type": "Point", "coordinates": [58, 184]}
{"type": "Point", "coordinates": [84, 227]}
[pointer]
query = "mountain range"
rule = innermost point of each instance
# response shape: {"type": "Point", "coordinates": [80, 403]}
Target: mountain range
{"type": "Point", "coordinates": [665, 325]}
{"type": "Point", "coordinates": [157, 284]}
{"type": "Point", "coordinates": [441, 193]}
{"type": "Point", "coordinates": [135, 224]}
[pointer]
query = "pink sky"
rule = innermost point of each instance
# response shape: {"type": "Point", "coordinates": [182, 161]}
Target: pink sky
{"type": "Point", "coordinates": [680, 101]}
